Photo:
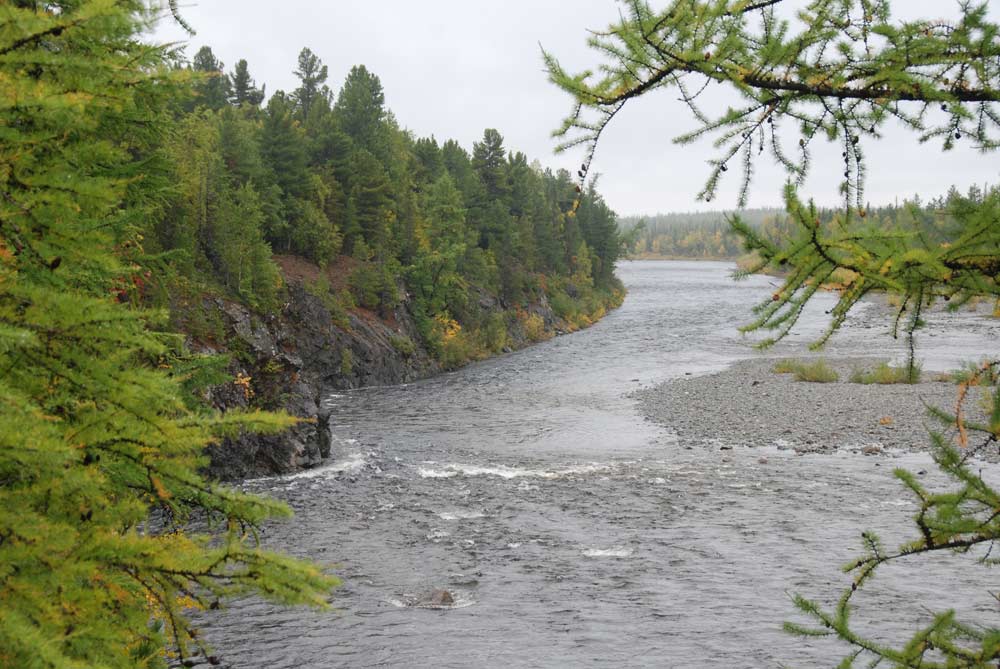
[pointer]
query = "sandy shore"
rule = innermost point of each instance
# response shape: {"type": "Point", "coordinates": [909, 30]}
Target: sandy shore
{"type": "Point", "coordinates": [749, 405]}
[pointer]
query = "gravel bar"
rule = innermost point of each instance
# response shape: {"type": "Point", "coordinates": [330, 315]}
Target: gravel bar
{"type": "Point", "coordinates": [749, 404]}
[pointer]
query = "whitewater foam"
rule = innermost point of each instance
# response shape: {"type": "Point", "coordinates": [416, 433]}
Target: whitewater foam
{"type": "Point", "coordinates": [613, 552]}
{"type": "Point", "coordinates": [353, 463]}
{"type": "Point", "coordinates": [461, 515]}
{"type": "Point", "coordinates": [452, 470]}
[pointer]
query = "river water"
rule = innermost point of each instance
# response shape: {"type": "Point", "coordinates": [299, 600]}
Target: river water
{"type": "Point", "coordinates": [571, 531]}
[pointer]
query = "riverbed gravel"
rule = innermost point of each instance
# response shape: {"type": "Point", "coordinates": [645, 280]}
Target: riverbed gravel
{"type": "Point", "coordinates": [749, 404]}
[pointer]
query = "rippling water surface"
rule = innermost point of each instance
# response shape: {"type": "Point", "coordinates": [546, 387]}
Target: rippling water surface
{"type": "Point", "coordinates": [572, 532]}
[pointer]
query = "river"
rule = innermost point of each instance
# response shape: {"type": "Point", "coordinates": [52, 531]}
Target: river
{"type": "Point", "coordinates": [571, 531]}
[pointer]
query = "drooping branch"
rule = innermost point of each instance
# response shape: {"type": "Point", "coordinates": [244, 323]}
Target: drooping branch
{"type": "Point", "coordinates": [874, 65]}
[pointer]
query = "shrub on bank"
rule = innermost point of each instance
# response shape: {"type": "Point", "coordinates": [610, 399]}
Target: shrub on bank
{"type": "Point", "coordinates": [534, 327]}
{"type": "Point", "coordinates": [812, 372]}
{"type": "Point", "coordinates": [886, 374]}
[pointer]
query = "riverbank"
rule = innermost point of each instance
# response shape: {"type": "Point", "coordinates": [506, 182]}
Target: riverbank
{"type": "Point", "coordinates": [290, 358]}
{"type": "Point", "coordinates": [750, 405]}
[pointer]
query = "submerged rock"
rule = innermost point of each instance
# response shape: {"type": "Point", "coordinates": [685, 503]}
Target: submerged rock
{"type": "Point", "coordinates": [439, 598]}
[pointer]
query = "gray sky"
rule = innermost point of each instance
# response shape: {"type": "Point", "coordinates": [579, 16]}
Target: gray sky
{"type": "Point", "coordinates": [451, 68]}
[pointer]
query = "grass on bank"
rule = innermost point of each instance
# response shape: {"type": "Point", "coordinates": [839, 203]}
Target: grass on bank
{"type": "Point", "coordinates": [817, 371]}
{"type": "Point", "coordinates": [886, 374]}
{"type": "Point", "coordinates": [974, 374]}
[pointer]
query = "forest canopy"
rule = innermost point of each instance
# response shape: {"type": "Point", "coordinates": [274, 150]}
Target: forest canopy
{"type": "Point", "coordinates": [330, 175]}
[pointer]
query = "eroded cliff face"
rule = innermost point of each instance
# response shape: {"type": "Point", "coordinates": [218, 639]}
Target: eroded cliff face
{"type": "Point", "coordinates": [290, 360]}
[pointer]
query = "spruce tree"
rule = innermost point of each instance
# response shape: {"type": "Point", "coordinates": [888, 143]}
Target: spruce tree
{"type": "Point", "coordinates": [361, 110]}
{"type": "Point", "coordinates": [244, 89]}
{"type": "Point", "coordinates": [214, 89]}
{"type": "Point", "coordinates": [100, 446]}
{"type": "Point", "coordinates": [312, 74]}
{"type": "Point", "coordinates": [841, 71]}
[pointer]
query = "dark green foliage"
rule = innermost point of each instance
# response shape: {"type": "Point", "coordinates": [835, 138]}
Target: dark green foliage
{"type": "Point", "coordinates": [374, 286]}
{"type": "Point", "coordinates": [312, 73]}
{"type": "Point", "coordinates": [306, 177]}
{"type": "Point", "coordinates": [361, 110]}
{"type": "Point", "coordinates": [244, 90]}
{"type": "Point", "coordinates": [369, 203]}
{"type": "Point", "coordinates": [214, 88]}
{"type": "Point", "coordinates": [489, 162]}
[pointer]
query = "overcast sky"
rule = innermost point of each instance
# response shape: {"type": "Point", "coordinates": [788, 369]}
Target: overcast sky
{"type": "Point", "coordinates": [451, 68]}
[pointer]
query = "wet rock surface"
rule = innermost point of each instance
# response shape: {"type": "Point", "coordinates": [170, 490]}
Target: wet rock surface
{"type": "Point", "coordinates": [291, 360]}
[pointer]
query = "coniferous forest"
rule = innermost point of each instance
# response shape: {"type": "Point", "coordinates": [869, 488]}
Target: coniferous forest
{"type": "Point", "coordinates": [330, 176]}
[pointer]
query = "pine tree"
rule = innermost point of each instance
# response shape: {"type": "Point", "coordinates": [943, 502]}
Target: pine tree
{"type": "Point", "coordinates": [214, 89]}
{"type": "Point", "coordinates": [370, 202]}
{"type": "Point", "coordinates": [434, 276]}
{"type": "Point", "coordinates": [489, 162]}
{"type": "Point", "coordinates": [361, 110]}
{"type": "Point", "coordinates": [100, 448]}
{"type": "Point", "coordinates": [312, 74]}
{"type": "Point", "coordinates": [842, 71]}
{"type": "Point", "coordinates": [244, 89]}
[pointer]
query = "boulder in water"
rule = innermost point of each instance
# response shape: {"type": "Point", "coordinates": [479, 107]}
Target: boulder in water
{"type": "Point", "coordinates": [439, 598]}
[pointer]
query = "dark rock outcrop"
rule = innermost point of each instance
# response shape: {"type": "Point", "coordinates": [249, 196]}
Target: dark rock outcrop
{"type": "Point", "coordinates": [289, 360]}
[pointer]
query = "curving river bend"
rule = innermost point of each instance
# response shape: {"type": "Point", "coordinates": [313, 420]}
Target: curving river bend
{"type": "Point", "coordinates": [571, 531]}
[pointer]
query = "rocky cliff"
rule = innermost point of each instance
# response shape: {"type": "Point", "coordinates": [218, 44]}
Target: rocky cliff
{"type": "Point", "coordinates": [292, 357]}
{"type": "Point", "coordinates": [289, 359]}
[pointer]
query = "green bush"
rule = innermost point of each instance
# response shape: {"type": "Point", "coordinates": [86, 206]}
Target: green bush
{"type": "Point", "coordinates": [374, 286]}
{"type": "Point", "coordinates": [562, 304]}
{"type": "Point", "coordinates": [816, 372]}
{"type": "Point", "coordinates": [403, 344]}
{"type": "Point", "coordinates": [459, 349]}
{"type": "Point", "coordinates": [494, 333]}
{"type": "Point", "coordinates": [812, 372]}
{"type": "Point", "coordinates": [534, 327]}
{"type": "Point", "coordinates": [785, 367]}
{"type": "Point", "coordinates": [886, 374]}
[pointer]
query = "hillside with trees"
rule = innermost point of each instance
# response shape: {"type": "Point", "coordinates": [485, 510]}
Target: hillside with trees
{"type": "Point", "coordinates": [319, 245]}
{"type": "Point", "coordinates": [155, 213]}
{"type": "Point", "coordinates": [386, 216]}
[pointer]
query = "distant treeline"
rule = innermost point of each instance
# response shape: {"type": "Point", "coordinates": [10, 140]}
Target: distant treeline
{"type": "Point", "coordinates": [707, 235]}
